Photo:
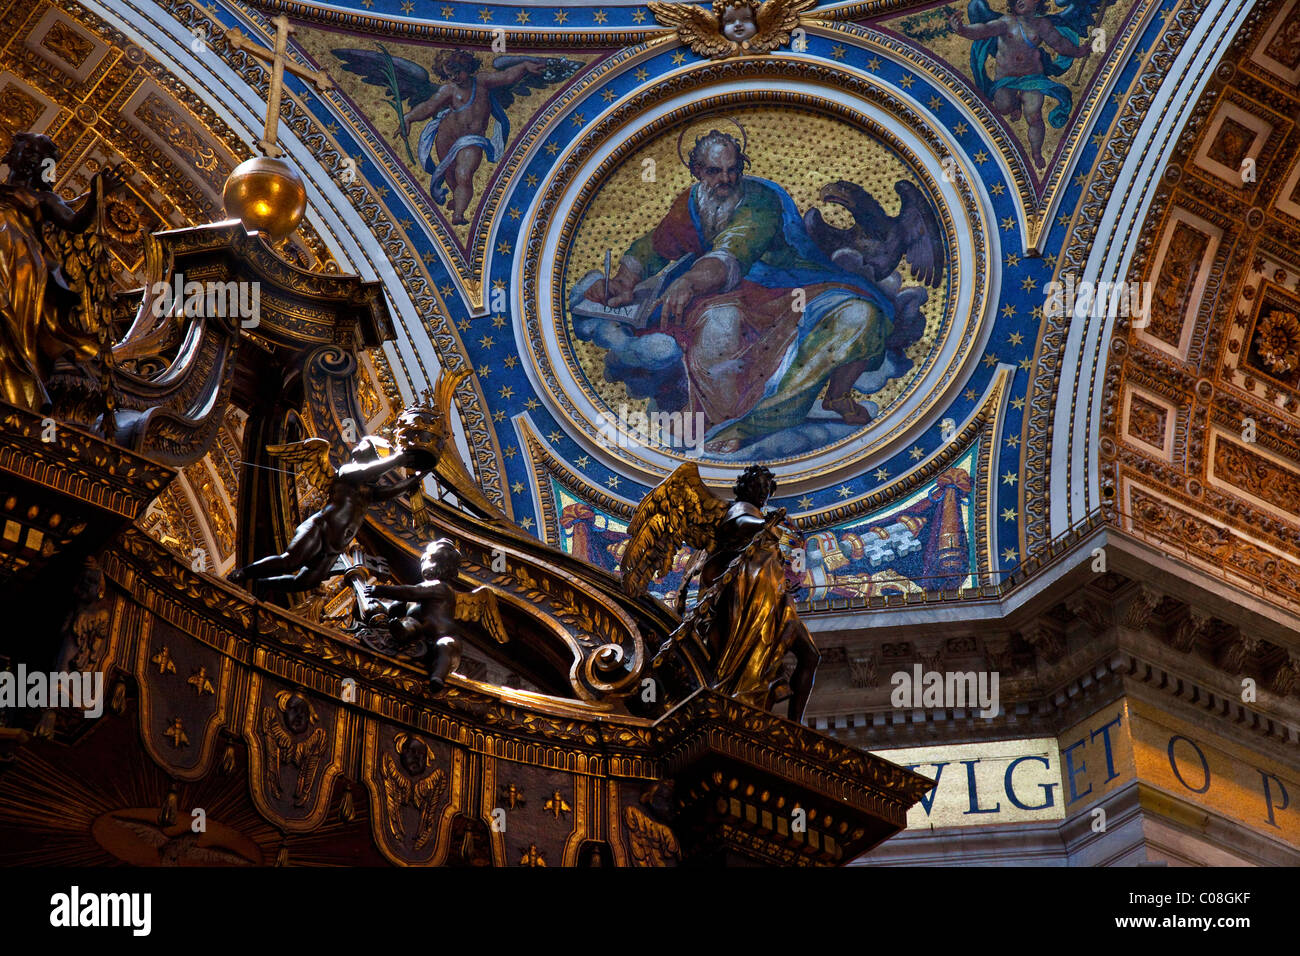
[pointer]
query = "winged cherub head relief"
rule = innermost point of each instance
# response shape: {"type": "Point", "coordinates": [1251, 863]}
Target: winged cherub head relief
{"type": "Point", "coordinates": [732, 27]}
{"type": "Point", "coordinates": [737, 19]}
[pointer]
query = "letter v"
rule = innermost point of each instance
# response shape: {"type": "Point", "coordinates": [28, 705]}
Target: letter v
{"type": "Point", "coordinates": [938, 768]}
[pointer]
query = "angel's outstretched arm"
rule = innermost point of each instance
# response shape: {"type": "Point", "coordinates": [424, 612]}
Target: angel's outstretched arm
{"type": "Point", "coordinates": [396, 490]}
{"type": "Point", "coordinates": [402, 592]}
{"type": "Point", "coordinates": [494, 78]}
{"type": "Point", "coordinates": [976, 31]}
{"type": "Point", "coordinates": [431, 106]}
{"type": "Point", "coordinates": [363, 473]}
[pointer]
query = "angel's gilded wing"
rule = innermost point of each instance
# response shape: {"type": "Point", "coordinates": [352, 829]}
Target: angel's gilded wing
{"type": "Point", "coordinates": [480, 606]}
{"type": "Point", "coordinates": [310, 458]}
{"type": "Point", "coordinates": [696, 27]}
{"type": "Point", "coordinates": [428, 793]}
{"type": "Point", "coordinates": [279, 745]}
{"type": "Point", "coordinates": [397, 793]}
{"type": "Point", "coordinates": [775, 20]}
{"type": "Point", "coordinates": [680, 510]}
{"type": "Point", "coordinates": [652, 843]}
{"type": "Point", "coordinates": [450, 470]}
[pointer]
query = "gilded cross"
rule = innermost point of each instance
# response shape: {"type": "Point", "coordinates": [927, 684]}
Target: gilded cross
{"type": "Point", "coordinates": [279, 60]}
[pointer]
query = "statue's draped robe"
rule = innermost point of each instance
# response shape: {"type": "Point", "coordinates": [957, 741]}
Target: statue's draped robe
{"type": "Point", "coordinates": [755, 622]}
{"type": "Point", "coordinates": [784, 356]}
{"type": "Point", "coordinates": [33, 331]}
{"type": "Point", "coordinates": [23, 311]}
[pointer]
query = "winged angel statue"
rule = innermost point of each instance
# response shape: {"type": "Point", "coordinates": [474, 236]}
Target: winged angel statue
{"type": "Point", "coordinates": [462, 107]}
{"type": "Point", "coordinates": [426, 618]}
{"type": "Point", "coordinates": [424, 443]}
{"type": "Point", "coordinates": [744, 621]}
{"type": "Point", "coordinates": [732, 27]}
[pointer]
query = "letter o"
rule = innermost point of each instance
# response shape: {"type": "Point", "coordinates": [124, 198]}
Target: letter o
{"type": "Point", "coordinates": [1173, 763]}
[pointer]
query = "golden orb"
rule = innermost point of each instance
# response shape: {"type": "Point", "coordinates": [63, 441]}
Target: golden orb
{"type": "Point", "coordinates": [266, 195]}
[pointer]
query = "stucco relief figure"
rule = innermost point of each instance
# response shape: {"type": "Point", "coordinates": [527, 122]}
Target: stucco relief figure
{"type": "Point", "coordinates": [1029, 50]}
{"type": "Point", "coordinates": [40, 315]}
{"type": "Point", "coordinates": [745, 613]}
{"type": "Point", "coordinates": [466, 111]}
{"type": "Point", "coordinates": [733, 290]}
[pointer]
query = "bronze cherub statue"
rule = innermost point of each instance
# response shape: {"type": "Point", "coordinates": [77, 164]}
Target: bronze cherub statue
{"type": "Point", "coordinates": [432, 611]}
{"type": "Point", "coordinates": [744, 619]}
{"type": "Point", "coordinates": [349, 492]}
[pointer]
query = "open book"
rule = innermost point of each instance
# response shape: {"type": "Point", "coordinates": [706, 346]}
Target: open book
{"type": "Point", "coordinates": [647, 296]}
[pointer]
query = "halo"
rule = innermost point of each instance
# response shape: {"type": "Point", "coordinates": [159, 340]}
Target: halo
{"type": "Point", "coordinates": [744, 140]}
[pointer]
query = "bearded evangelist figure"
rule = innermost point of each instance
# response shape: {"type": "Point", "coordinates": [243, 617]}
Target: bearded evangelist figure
{"type": "Point", "coordinates": [766, 321]}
